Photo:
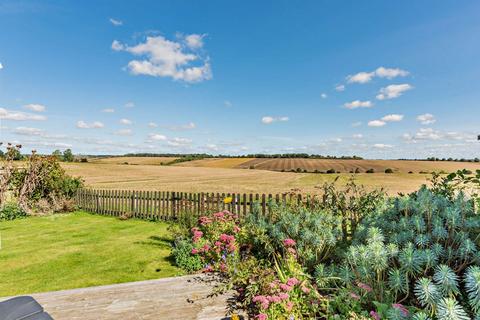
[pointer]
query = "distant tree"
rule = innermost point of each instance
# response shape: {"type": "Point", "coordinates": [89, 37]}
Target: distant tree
{"type": "Point", "coordinates": [2, 154]}
{"type": "Point", "coordinates": [68, 155]}
{"type": "Point", "coordinates": [388, 170]}
{"type": "Point", "coordinates": [58, 154]}
{"type": "Point", "coordinates": [370, 171]}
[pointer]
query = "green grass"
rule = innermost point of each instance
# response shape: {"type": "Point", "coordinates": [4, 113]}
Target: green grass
{"type": "Point", "coordinates": [77, 250]}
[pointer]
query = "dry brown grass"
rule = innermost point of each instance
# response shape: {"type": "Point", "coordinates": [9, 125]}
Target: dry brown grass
{"type": "Point", "coordinates": [216, 163]}
{"type": "Point", "coordinates": [201, 179]}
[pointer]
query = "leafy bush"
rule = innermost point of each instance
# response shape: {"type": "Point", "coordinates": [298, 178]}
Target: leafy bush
{"type": "Point", "coordinates": [370, 171]}
{"type": "Point", "coordinates": [182, 252]}
{"type": "Point", "coordinates": [11, 211]}
{"type": "Point", "coordinates": [315, 231]}
{"type": "Point", "coordinates": [330, 171]}
{"type": "Point", "coordinates": [388, 170]}
{"type": "Point", "coordinates": [417, 251]}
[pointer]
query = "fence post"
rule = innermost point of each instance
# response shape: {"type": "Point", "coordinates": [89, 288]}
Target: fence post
{"type": "Point", "coordinates": [174, 205]}
{"type": "Point", "coordinates": [132, 204]}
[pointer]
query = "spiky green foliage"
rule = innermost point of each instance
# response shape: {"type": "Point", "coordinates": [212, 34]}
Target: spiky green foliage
{"type": "Point", "coordinates": [420, 316]}
{"type": "Point", "coordinates": [450, 309]}
{"type": "Point", "coordinates": [472, 286]}
{"type": "Point", "coordinates": [315, 231]}
{"type": "Point", "coordinates": [427, 293]}
{"type": "Point", "coordinates": [446, 279]}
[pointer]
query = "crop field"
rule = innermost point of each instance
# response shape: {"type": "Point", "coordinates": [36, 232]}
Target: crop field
{"type": "Point", "coordinates": [216, 178]}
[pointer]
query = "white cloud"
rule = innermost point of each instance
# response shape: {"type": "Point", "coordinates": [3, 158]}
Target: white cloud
{"type": "Point", "coordinates": [361, 77]}
{"type": "Point", "coordinates": [391, 73]}
{"type": "Point", "coordinates": [382, 146]}
{"type": "Point", "coordinates": [35, 107]}
{"type": "Point", "coordinates": [381, 72]}
{"type": "Point", "coordinates": [1, 66]}
{"type": "Point", "coordinates": [376, 123]}
{"type": "Point", "coordinates": [129, 105]}
{"type": "Point", "coordinates": [227, 103]}
{"type": "Point", "coordinates": [152, 125]}
{"type": "Point", "coordinates": [357, 136]}
{"type": "Point", "coordinates": [269, 119]}
{"type": "Point", "coordinates": [393, 91]}
{"type": "Point", "coordinates": [194, 41]}
{"type": "Point", "coordinates": [426, 118]}
{"type": "Point", "coordinates": [179, 142]}
{"type": "Point", "coordinates": [126, 122]}
{"type": "Point", "coordinates": [94, 125]}
{"type": "Point", "coordinates": [115, 22]}
{"type": "Point", "coordinates": [393, 118]}
{"type": "Point", "coordinates": [323, 95]}
{"type": "Point", "coordinates": [166, 58]}
{"type": "Point", "coordinates": [27, 131]}
{"type": "Point", "coordinates": [157, 137]}
{"type": "Point", "coordinates": [358, 104]}
{"type": "Point", "coordinates": [108, 110]}
{"type": "Point", "coordinates": [340, 88]}
{"type": "Point", "coordinates": [20, 116]}
{"type": "Point", "coordinates": [124, 132]}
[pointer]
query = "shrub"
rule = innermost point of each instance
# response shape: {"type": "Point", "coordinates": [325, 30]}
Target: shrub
{"type": "Point", "coordinates": [357, 170]}
{"type": "Point", "coordinates": [330, 171]}
{"type": "Point", "coordinates": [410, 172]}
{"type": "Point", "coordinates": [370, 171]}
{"type": "Point", "coordinates": [388, 170]}
{"type": "Point", "coordinates": [11, 211]}
{"type": "Point", "coordinates": [416, 251]}
{"type": "Point", "coordinates": [182, 252]}
{"type": "Point", "coordinates": [315, 231]}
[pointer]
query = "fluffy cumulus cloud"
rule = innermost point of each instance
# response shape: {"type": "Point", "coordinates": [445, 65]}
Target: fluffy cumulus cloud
{"type": "Point", "coordinates": [194, 41]}
{"type": "Point", "coordinates": [167, 58]}
{"type": "Point", "coordinates": [270, 119]}
{"type": "Point", "coordinates": [358, 104]}
{"type": "Point", "coordinates": [426, 119]}
{"type": "Point", "coordinates": [152, 125]}
{"type": "Point", "coordinates": [357, 136]}
{"type": "Point", "coordinates": [432, 134]}
{"type": "Point", "coordinates": [340, 88]}
{"type": "Point", "coordinates": [20, 116]}
{"type": "Point", "coordinates": [126, 122]}
{"type": "Point", "coordinates": [1, 66]}
{"type": "Point", "coordinates": [393, 91]}
{"type": "Point", "coordinates": [393, 118]}
{"type": "Point", "coordinates": [324, 96]}
{"type": "Point", "coordinates": [115, 22]}
{"type": "Point", "coordinates": [35, 107]}
{"type": "Point", "coordinates": [179, 142]}
{"type": "Point", "coordinates": [157, 137]}
{"type": "Point", "coordinates": [381, 72]}
{"type": "Point", "coordinates": [376, 123]}
{"type": "Point", "coordinates": [108, 110]}
{"type": "Point", "coordinates": [94, 125]}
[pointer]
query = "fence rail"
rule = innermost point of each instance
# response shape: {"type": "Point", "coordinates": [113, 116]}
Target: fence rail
{"type": "Point", "coordinates": [167, 205]}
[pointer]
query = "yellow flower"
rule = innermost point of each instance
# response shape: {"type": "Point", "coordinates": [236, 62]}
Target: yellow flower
{"type": "Point", "coordinates": [235, 317]}
{"type": "Point", "coordinates": [227, 200]}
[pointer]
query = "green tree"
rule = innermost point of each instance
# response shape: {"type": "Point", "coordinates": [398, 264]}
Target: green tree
{"type": "Point", "coordinates": [58, 154]}
{"type": "Point", "coordinates": [68, 155]}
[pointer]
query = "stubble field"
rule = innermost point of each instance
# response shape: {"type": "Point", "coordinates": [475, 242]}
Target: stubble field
{"type": "Point", "coordinates": [224, 176]}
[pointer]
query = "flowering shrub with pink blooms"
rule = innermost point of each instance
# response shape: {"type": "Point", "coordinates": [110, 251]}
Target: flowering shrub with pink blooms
{"type": "Point", "coordinates": [215, 241]}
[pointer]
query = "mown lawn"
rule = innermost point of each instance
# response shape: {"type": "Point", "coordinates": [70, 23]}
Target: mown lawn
{"type": "Point", "coordinates": [80, 250]}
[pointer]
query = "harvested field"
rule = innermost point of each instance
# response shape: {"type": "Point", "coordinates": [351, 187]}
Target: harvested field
{"type": "Point", "coordinates": [216, 163]}
{"type": "Point", "coordinates": [345, 166]}
{"type": "Point", "coordinates": [134, 160]}
{"type": "Point", "coordinates": [198, 179]}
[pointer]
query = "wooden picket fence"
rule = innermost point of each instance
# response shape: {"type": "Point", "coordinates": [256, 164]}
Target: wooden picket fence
{"type": "Point", "coordinates": [168, 205]}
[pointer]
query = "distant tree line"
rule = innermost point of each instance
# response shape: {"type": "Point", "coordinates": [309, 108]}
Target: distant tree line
{"type": "Point", "coordinates": [446, 159]}
{"type": "Point", "coordinates": [196, 156]}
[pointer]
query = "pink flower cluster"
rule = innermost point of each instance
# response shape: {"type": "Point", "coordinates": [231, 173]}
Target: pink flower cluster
{"type": "Point", "coordinates": [265, 301]}
{"type": "Point", "coordinates": [197, 234]}
{"type": "Point", "coordinates": [374, 315]}
{"type": "Point", "coordinates": [289, 242]}
{"type": "Point", "coordinates": [261, 316]}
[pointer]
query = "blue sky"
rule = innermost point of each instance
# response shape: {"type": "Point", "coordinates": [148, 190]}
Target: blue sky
{"type": "Point", "coordinates": [379, 79]}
